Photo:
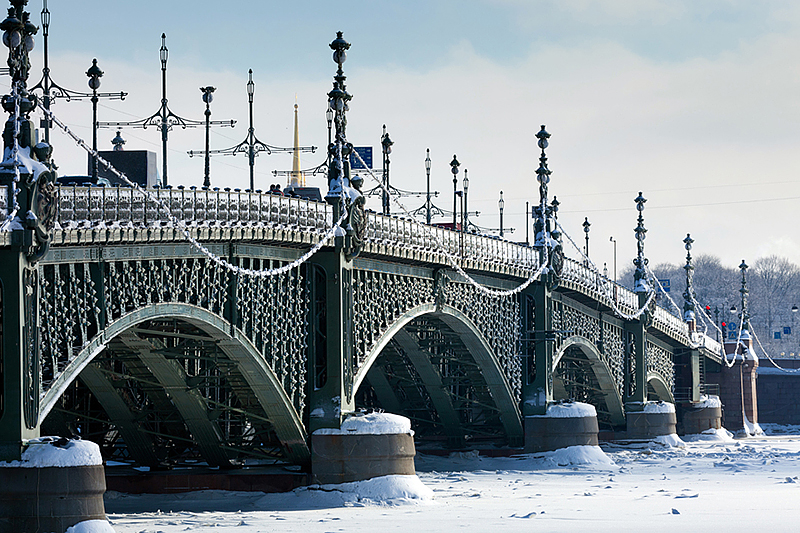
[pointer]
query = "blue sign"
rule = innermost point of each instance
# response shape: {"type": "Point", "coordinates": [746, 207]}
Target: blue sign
{"type": "Point", "coordinates": [664, 284]}
{"type": "Point", "coordinates": [787, 330]}
{"type": "Point", "coordinates": [777, 335]}
{"type": "Point", "coordinates": [366, 154]}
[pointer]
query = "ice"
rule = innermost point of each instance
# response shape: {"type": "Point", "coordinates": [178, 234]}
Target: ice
{"type": "Point", "coordinates": [726, 487]}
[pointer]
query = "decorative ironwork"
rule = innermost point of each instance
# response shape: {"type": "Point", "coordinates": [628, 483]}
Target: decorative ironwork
{"type": "Point", "coordinates": [659, 362]}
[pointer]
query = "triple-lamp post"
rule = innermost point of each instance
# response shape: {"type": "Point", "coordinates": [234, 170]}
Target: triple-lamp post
{"type": "Point", "coordinates": [208, 96]}
{"type": "Point", "coordinates": [428, 189]}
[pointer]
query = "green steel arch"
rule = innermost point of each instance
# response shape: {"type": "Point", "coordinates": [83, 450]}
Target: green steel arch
{"type": "Point", "coordinates": [601, 372]}
{"type": "Point", "coordinates": [478, 348]}
{"type": "Point", "coordinates": [259, 376]}
{"type": "Point", "coordinates": [660, 387]}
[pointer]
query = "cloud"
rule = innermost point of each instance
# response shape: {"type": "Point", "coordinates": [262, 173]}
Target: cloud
{"type": "Point", "coordinates": [703, 131]}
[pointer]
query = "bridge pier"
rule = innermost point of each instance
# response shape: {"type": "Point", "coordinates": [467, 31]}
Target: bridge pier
{"type": "Point", "coordinates": [339, 454]}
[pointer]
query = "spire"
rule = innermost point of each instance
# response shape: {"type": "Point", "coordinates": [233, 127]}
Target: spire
{"type": "Point", "coordinates": [296, 178]}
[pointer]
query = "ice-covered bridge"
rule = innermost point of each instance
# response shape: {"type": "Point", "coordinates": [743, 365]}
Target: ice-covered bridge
{"type": "Point", "coordinates": [241, 345]}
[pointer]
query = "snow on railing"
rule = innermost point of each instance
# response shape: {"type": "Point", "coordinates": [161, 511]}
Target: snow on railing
{"type": "Point", "coordinates": [600, 287]}
{"type": "Point", "coordinates": [123, 206]}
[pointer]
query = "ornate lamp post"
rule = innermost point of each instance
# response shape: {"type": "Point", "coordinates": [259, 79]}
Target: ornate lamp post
{"type": "Point", "coordinates": [428, 188]}
{"type": "Point", "coordinates": [164, 119]}
{"type": "Point", "coordinates": [454, 164]}
{"type": "Point", "coordinates": [614, 241]}
{"type": "Point", "coordinates": [208, 96]}
{"type": "Point", "coordinates": [586, 225]}
{"type": "Point", "coordinates": [329, 119]}
{"type": "Point", "coordinates": [794, 312]}
{"type": "Point", "coordinates": [745, 314]}
{"type": "Point", "coordinates": [501, 204]}
{"type": "Point", "coordinates": [386, 146]}
{"type": "Point", "coordinates": [640, 278]}
{"type": "Point", "coordinates": [465, 207]}
{"type": "Point", "coordinates": [250, 145]}
{"type": "Point", "coordinates": [94, 74]}
{"type": "Point", "coordinates": [31, 210]}
{"type": "Point", "coordinates": [689, 315]}
{"type": "Point", "coordinates": [716, 320]}
{"type": "Point", "coordinates": [51, 90]}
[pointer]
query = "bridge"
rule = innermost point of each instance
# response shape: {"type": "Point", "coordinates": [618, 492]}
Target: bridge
{"type": "Point", "coordinates": [171, 353]}
{"type": "Point", "coordinates": [185, 326]}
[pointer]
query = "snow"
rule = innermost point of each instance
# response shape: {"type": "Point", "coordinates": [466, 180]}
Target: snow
{"type": "Point", "coordinates": [659, 407]}
{"type": "Point", "coordinates": [568, 410]}
{"type": "Point", "coordinates": [371, 424]}
{"type": "Point", "coordinates": [745, 485]}
{"type": "Point", "coordinates": [708, 402]}
{"type": "Point", "coordinates": [709, 435]}
{"type": "Point", "coordinates": [670, 441]}
{"type": "Point", "coordinates": [91, 526]}
{"type": "Point", "coordinates": [55, 451]}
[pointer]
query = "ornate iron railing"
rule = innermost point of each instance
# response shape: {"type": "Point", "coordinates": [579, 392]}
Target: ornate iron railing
{"type": "Point", "coordinates": [92, 207]}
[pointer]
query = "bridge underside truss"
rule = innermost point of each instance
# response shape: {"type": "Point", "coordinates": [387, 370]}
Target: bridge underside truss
{"type": "Point", "coordinates": [165, 394]}
{"type": "Point", "coordinates": [428, 374]}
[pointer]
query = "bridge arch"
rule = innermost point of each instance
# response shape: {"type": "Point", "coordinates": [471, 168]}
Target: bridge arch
{"type": "Point", "coordinates": [601, 372]}
{"type": "Point", "coordinates": [260, 378]}
{"type": "Point", "coordinates": [478, 348]}
{"type": "Point", "coordinates": [659, 387]}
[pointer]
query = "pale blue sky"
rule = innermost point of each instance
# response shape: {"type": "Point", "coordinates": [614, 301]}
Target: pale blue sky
{"type": "Point", "coordinates": [694, 103]}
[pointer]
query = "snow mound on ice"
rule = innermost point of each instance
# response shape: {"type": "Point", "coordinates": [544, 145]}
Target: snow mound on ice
{"type": "Point", "coordinates": [371, 424]}
{"type": "Point", "coordinates": [710, 435]}
{"type": "Point", "coordinates": [392, 489]}
{"type": "Point", "coordinates": [91, 526]}
{"type": "Point", "coordinates": [670, 441]}
{"type": "Point", "coordinates": [54, 451]}
{"type": "Point", "coordinates": [578, 455]}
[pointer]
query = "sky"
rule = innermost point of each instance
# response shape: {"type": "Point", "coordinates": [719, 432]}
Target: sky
{"type": "Point", "coordinates": [693, 103]}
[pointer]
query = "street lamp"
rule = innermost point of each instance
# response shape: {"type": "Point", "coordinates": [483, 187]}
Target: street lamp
{"type": "Point", "coordinates": [329, 119]}
{"type": "Point", "coordinates": [465, 207]}
{"type": "Point", "coordinates": [428, 197]}
{"type": "Point", "coordinates": [612, 239]}
{"type": "Point", "coordinates": [454, 164]}
{"type": "Point", "coordinates": [501, 204]}
{"type": "Point", "coordinates": [208, 96]}
{"type": "Point", "coordinates": [386, 146]}
{"type": "Point", "coordinates": [586, 225]}
{"type": "Point", "coordinates": [94, 74]}
{"type": "Point", "coordinates": [794, 312]}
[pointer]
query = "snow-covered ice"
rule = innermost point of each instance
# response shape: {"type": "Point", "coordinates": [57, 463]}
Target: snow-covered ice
{"type": "Point", "coordinates": [751, 484]}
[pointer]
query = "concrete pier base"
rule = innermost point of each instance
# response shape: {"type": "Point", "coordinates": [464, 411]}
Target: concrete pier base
{"type": "Point", "coordinates": [647, 425]}
{"type": "Point", "coordinates": [697, 420]}
{"type": "Point", "coordinates": [345, 458]}
{"type": "Point", "coordinates": [50, 499]}
{"type": "Point", "coordinates": [545, 434]}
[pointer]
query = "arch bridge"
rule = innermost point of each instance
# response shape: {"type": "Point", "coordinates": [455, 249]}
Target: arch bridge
{"type": "Point", "coordinates": [128, 335]}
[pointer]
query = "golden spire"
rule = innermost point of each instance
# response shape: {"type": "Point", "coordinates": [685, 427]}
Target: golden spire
{"type": "Point", "coordinates": [296, 178]}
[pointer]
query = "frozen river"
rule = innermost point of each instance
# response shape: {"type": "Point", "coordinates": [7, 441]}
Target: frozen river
{"type": "Point", "coordinates": [744, 485]}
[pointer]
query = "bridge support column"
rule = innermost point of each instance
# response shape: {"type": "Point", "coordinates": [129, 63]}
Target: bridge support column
{"type": "Point", "coordinates": [19, 392]}
{"type": "Point", "coordinates": [643, 421]}
{"type": "Point", "coordinates": [537, 391]}
{"type": "Point", "coordinates": [331, 394]}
